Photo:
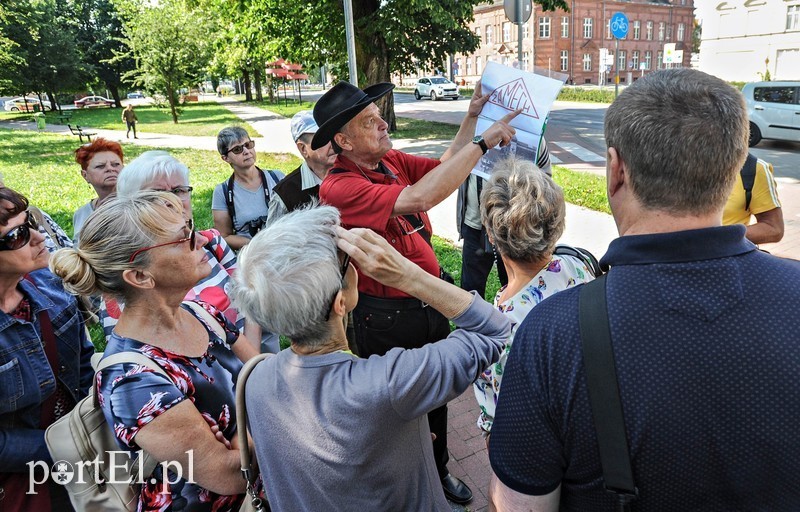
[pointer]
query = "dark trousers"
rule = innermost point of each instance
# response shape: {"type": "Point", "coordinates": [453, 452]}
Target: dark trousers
{"type": "Point", "coordinates": [477, 261]}
{"type": "Point", "coordinates": [382, 324]}
{"type": "Point", "coordinates": [131, 126]}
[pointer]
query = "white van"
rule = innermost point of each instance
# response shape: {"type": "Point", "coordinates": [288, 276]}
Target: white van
{"type": "Point", "coordinates": [774, 110]}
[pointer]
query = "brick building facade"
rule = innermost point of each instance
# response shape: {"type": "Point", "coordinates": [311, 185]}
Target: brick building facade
{"type": "Point", "coordinates": [570, 42]}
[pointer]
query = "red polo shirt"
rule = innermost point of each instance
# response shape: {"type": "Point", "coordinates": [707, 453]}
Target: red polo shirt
{"type": "Point", "coordinates": [366, 201]}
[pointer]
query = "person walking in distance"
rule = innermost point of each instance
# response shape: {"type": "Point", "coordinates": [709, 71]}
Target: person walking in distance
{"type": "Point", "coordinates": [129, 116]}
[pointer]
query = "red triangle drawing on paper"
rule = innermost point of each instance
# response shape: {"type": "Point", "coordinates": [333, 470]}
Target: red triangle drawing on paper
{"type": "Point", "coordinates": [514, 95]}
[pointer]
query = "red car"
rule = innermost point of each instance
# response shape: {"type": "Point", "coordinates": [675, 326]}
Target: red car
{"type": "Point", "coordinates": [94, 101]}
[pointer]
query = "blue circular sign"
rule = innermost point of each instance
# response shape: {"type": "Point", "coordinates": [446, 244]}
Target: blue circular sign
{"type": "Point", "coordinates": [619, 25]}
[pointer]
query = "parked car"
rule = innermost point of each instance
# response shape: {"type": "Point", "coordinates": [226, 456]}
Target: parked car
{"type": "Point", "coordinates": [435, 87]}
{"type": "Point", "coordinates": [774, 110]}
{"type": "Point", "coordinates": [19, 105]}
{"type": "Point", "coordinates": [135, 95]}
{"type": "Point", "coordinates": [94, 101]}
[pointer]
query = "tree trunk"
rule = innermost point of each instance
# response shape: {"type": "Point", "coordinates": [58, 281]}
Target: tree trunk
{"type": "Point", "coordinates": [257, 78]}
{"type": "Point", "coordinates": [114, 90]}
{"type": "Point", "coordinates": [54, 106]}
{"type": "Point", "coordinates": [172, 99]}
{"type": "Point", "coordinates": [248, 94]}
{"type": "Point", "coordinates": [373, 62]}
{"type": "Point", "coordinates": [237, 88]}
{"type": "Point", "coordinates": [271, 89]}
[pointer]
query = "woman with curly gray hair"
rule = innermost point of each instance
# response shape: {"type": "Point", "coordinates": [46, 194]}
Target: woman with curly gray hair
{"type": "Point", "coordinates": [523, 212]}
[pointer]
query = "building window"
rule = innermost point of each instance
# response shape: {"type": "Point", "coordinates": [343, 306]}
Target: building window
{"type": "Point", "coordinates": [565, 26]}
{"type": "Point", "coordinates": [564, 60]}
{"type": "Point", "coordinates": [469, 66]}
{"type": "Point", "coordinates": [525, 31]}
{"type": "Point", "coordinates": [506, 60]}
{"type": "Point", "coordinates": [587, 28]}
{"type": "Point", "coordinates": [458, 69]}
{"type": "Point", "coordinates": [660, 60]}
{"type": "Point", "coordinates": [478, 34]}
{"type": "Point", "coordinates": [621, 62]}
{"type": "Point", "coordinates": [681, 30]}
{"type": "Point", "coordinates": [488, 34]}
{"type": "Point", "coordinates": [793, 17]}
{"type": "Point", "coordinates": [478, 65]}
{"type": "Point", "coordinates": [608, 29]}
{"type": "Point", "coordinates": [526, 57]}
{"type": "Point", "coordinates": [506, 32]}
{"type": "Point", "coordinates": [635, 59]}
{"type": "Point", "coordinates": [648, 59]}
{"type": "Point", "coordinates": [637, 29]}
{"type": "Point", "coordinates": [649, 29]}
{"type": "Point", "coordinates": [661, 27]}
{"type": "Point", "coordinates": [587, 61]}
{"type": "Point", "coordinates": [544, 28]}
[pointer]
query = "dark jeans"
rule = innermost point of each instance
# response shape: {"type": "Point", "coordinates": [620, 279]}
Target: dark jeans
{"type": "Point", "coordinates": [131, 126]}
{"type": "Point", "coordinates": [476, 262]}
{"type": "Point", "coordinates": [380, 327]}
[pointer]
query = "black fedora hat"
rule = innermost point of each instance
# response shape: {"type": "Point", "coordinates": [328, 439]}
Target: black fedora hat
{"type": "Point", "coordinates": [341, 104]}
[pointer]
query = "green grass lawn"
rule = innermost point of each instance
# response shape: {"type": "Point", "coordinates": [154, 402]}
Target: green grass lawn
{"type": "Point", "coordinates": [408, 128]}
{"type": "Point", "coordinates": [582, 188]}
{"type": "Point", "coordinates": [42, 167]}
{"type": "Point", "coordinates": [197, 119]}
{"type": "Point", "coordinates": [285, 108]}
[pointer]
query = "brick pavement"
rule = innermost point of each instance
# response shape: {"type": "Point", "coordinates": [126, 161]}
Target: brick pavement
{"type": "Point", "coordinates": [469, 459]}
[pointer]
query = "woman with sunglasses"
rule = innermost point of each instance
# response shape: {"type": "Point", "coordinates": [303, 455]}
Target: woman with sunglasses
{"type": "Point", "coordinates": [240, 204]}
{"type": "Point", "coordinates": [44, 356]}
{"type": "Point", "coordinates": [158, 170]}
{"type": "Point", "coordinates": [101, 161]}
{"type": "Point", "coordinates": [187, 416]}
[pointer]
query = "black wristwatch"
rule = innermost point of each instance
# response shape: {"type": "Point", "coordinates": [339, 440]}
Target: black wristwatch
{"type": "Point", "coordinates": [480, 142]}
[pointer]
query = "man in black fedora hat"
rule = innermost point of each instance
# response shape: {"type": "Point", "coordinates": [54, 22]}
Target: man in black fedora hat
{"type": "Point", "coordinates": [390, 192]}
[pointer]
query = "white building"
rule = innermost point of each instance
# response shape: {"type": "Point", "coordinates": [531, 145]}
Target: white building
{"type": "Point", "coordinates": [742, 39]}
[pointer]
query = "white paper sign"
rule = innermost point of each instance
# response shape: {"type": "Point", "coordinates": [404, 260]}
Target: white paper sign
{"type": "Point", "coordinates": [511, 89]}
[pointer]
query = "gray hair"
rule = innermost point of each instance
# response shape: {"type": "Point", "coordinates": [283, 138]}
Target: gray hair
{"type": "Point", "coordinates": [683, 136]}
{"type": "Point", "coordinates": [228, 136]}
{"type": "Point", "coordinates": [523, 210]}
{"type": "Point", "coordinates": [289, 273]}
{"type": "Point", "coordinates": [134, 222]}
{"type": "Point", "coordinates": [146, 168]}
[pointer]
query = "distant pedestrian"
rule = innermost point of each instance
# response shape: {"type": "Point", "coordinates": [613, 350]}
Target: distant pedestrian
{"type": "Point", "coordinates": [129, 116]}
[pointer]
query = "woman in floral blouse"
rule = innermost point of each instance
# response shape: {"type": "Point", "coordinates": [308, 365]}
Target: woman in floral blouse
{"type": "Point", "coordinates": [523, 212]}
{"type": "Point", "coordinates": [187, 417]}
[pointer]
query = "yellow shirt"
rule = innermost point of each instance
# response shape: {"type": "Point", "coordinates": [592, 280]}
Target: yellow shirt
{"type": "Point", "coordinates": [765, 196]}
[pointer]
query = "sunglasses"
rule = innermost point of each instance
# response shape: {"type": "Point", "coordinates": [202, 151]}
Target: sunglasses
{"type": "Point", "coordinates": [343, 272]}
{"type": "Point", "coordinates": [192, 239]}
{"type": "Point", "coordinates": [178, 191]}
{"type": "Point", "coordinates": [237, 150]}
{"type": "Point", "coordinates": [19, 237]}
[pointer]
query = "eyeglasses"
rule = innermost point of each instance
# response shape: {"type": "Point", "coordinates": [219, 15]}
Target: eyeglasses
{"type": "Point", "coordinates": [343, 272]}
{"type": "Point", "coordinates": [183, 191]}
{"type": "Point", "coordinates": [19, 237]}
{"type": "Point", "coordinates": [237, 150]}
{"type": "Point", "coordinates": [192, 239]}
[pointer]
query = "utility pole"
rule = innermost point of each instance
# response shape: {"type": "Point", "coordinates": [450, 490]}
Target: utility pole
{"type": "Point", "coordinates": [351, 41]}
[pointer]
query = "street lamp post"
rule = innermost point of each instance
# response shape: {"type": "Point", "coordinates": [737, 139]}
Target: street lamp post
{"type": "Point", "coordinates": [351, 41]}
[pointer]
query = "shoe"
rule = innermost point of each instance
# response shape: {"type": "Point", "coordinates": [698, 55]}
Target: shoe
{"type": "Point", "coordinates": [455, 490]}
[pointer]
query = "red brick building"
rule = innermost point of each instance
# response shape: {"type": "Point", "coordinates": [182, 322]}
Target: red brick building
{"type": "Point", "coordinates": [571, 42]}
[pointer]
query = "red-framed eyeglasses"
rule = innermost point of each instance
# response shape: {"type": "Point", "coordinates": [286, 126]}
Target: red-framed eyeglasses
{"type": "Point", "coordinates": [192, 239]}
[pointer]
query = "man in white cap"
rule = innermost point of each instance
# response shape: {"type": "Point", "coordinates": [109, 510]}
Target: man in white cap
{"type": "Point", "coordinates": [301, 186]}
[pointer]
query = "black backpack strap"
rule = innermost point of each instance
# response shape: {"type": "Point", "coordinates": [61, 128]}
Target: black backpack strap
{"type": "Point", "coordinates": [227, 189]}
{"type": "Point", "coordinates": [603, 389]}
{"type": "Point", "coordinates": [748, 174]}
{"type": "Point", "coordinates": [582, 254]}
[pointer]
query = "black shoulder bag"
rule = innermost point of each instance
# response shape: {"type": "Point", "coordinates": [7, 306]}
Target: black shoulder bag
{"type": "Point", "coordinates": [601, 383]}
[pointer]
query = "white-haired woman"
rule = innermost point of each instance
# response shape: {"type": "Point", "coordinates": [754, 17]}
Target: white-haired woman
{"type": "Point", "coordinates": [188, 415]}
{"type": "Point", "coordinates": [523, 212]}
{"type": "Point", "coordinates": [158, 170]}
{"type": "Point", "coordinates": [323, 419]}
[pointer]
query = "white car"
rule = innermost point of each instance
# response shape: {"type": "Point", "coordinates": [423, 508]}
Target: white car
{"type": "Point", "coordinates": [19, 105]}
{"type": "Point", "coordinates": [774, 110]}
{"type": "Point", "coordinates": [435, 87]}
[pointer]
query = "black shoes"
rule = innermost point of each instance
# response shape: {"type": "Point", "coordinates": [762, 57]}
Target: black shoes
{"type": "Point", "coordinates": [455, 490]}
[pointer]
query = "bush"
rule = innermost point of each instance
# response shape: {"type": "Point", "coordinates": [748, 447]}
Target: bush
{"type": "Point", "coordinates": [593, 95]}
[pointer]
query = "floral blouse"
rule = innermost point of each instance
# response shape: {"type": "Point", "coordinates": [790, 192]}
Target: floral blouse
{"type": "Point", "coordinates": [561, 273]}
{"type": "Point", "coordinates": [132, 396]}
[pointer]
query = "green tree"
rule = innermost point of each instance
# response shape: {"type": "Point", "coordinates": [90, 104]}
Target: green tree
{"type": "Point", "coordinates": [169, 43]}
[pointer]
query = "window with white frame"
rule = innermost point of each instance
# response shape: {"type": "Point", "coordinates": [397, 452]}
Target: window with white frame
{"type": "Point", "coordinates": [587, 28]}
{"type": "Point", "coordinates": [669, 32]}
{"type": "Point", "coordinates": [649, 31]}
{"type": "Point", "coordinates": [587, 61]}
{"type": "Point", "coordinates": [544, 27]}
{"type": "Point", "coordinates": [489, 34]}
{"type": "Point", "coordinates": [608, 29]}
{"type": "Point", "coordinates": [469, 66]}
{"type": "Point", "coordinates": [681, 31]}
{"type": "Point", "coordinates": [621, 61]}
{"type": "Point", "coordinates": [459, 69]}
{"type": "Point", "coordinates": [661, 28]}
{"type": "Point", "coordinates": [659, 59]}
{"type": "Point", "coordinates": [526, 57]}
{"type": "Point", "coordinates": [635, 59]}
{"type": "Point", "coordinates": [564, 60]}
{"type": "Point", "coordinates": [478, 65]}
{"type": "Point", "coordinates": [478, 33]}
{"type": "Point", "coordinates": [793, 17]}
{"type": "Point", "coordinates": [506, 60]}
{"type": "Point", "coordinates": [648, 59]}
{"type": "Point", "coordinates": [525, 31]}
{"type": "Point", "coordinates": [637, 29]}
{"type": "Point", "coordinates": [506, 32]}
{"type": "Point", "coordinates": [565, 26]}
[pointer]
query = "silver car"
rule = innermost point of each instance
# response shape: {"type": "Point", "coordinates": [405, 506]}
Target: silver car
{"type": "Point", "coordinates": [774, 110]}
{"type": "Point", "coordinates": [435, 87]}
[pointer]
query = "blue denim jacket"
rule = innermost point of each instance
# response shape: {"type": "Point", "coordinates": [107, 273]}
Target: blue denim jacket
{"type": "Point", "coordinates": [26, 379]}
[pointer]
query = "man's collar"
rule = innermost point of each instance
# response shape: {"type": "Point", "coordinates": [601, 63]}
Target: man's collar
{"type": "Point", "coordinates": [308, 179]}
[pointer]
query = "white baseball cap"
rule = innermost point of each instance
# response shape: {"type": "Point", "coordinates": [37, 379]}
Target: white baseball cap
{"type": "Point", "coordinates": [303, 122]}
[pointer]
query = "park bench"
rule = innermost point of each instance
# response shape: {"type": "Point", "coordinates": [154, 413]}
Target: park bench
{"type": "Point", "coordinates": [64, 116]}
{"type": "Point", "coordinates": [81, 133]}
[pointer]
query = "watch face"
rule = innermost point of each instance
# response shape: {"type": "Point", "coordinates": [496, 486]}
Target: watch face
{"type": "Point", "coordinates": [477, 139]}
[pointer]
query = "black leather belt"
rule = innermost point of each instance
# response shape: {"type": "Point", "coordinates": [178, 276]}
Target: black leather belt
{"type": "Point", "coordinates": [390, 304]}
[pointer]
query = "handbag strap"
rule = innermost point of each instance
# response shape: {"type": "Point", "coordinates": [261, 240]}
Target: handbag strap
{"type": "Point", "coordinates": [603, 389]}
{"type": "Point", "coordinates": [209, 319]}
{"type": "Point", "coordinates": [241, 425]}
